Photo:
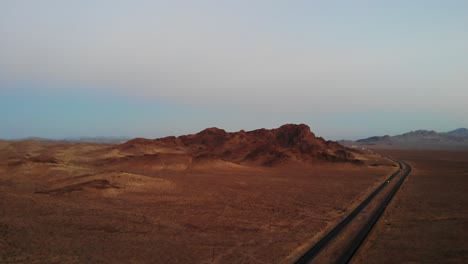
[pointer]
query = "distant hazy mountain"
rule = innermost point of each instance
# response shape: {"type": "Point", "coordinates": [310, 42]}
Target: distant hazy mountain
{"type": "Point", "coordinates": [33, 139]}
{"type": "Point", "coordinates": [457, 138]}
{"type": "Point", "coordinates": [463, 132]}
{"type": "Point", "coordinates": [97, 139]}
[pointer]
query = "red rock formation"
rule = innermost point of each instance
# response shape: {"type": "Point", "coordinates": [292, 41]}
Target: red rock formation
{"type": "Point", "coordinates": [266, 147]}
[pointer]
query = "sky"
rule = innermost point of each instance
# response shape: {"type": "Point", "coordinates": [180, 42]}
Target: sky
{"type": "Point", "coordinates": [141, 68]}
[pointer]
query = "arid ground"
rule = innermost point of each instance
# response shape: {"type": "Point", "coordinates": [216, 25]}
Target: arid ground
{"type": "Point", "coordinates": [94, 203]}
{"type": "Point", "coordinates": [427, 222]}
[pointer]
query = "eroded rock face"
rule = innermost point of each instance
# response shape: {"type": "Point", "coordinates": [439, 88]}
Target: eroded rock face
{"type": "Point", "coordinates": [265, 147]}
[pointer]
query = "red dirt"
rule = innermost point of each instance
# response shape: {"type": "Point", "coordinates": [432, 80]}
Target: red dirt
{"type": "Point", "coordinates": [93, 184]}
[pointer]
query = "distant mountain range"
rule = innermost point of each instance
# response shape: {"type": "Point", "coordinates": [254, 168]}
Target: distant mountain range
{"type": "Point", "coordinates": [457, 138]}
{"type": "Point", "coordinates": [108, 140]}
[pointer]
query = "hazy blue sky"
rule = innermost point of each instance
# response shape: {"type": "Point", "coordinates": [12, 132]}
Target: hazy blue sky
{"type": "Point", "coordinates": [348, 69]}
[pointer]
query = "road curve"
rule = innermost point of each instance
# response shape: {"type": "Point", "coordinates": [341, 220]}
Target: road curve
{"type": "Point", "coordinates": [348, 253]}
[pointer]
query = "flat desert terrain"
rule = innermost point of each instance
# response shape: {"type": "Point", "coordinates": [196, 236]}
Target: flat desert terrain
{"type": "Point", "coordinates": [96, 203]}
{"type": "Point", "coordinates": [427, 221]}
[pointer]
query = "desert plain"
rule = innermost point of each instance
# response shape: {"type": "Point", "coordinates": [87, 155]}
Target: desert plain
{"type": "Point", "coordinates": [148, 202]}
{"type": "Point", "coordinates": [427, 221]}
{"type": "Point", "coordinates": [263, 196]}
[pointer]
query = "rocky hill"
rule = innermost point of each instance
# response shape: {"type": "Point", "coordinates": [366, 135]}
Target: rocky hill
{"type": "Point", "coordinates": [288, 143]}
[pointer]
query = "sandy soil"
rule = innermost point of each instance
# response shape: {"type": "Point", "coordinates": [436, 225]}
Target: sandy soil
{"type": "Point", "coordinates": [427, 222]}
{"type": "Point", "coordinates": [66, 203]}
